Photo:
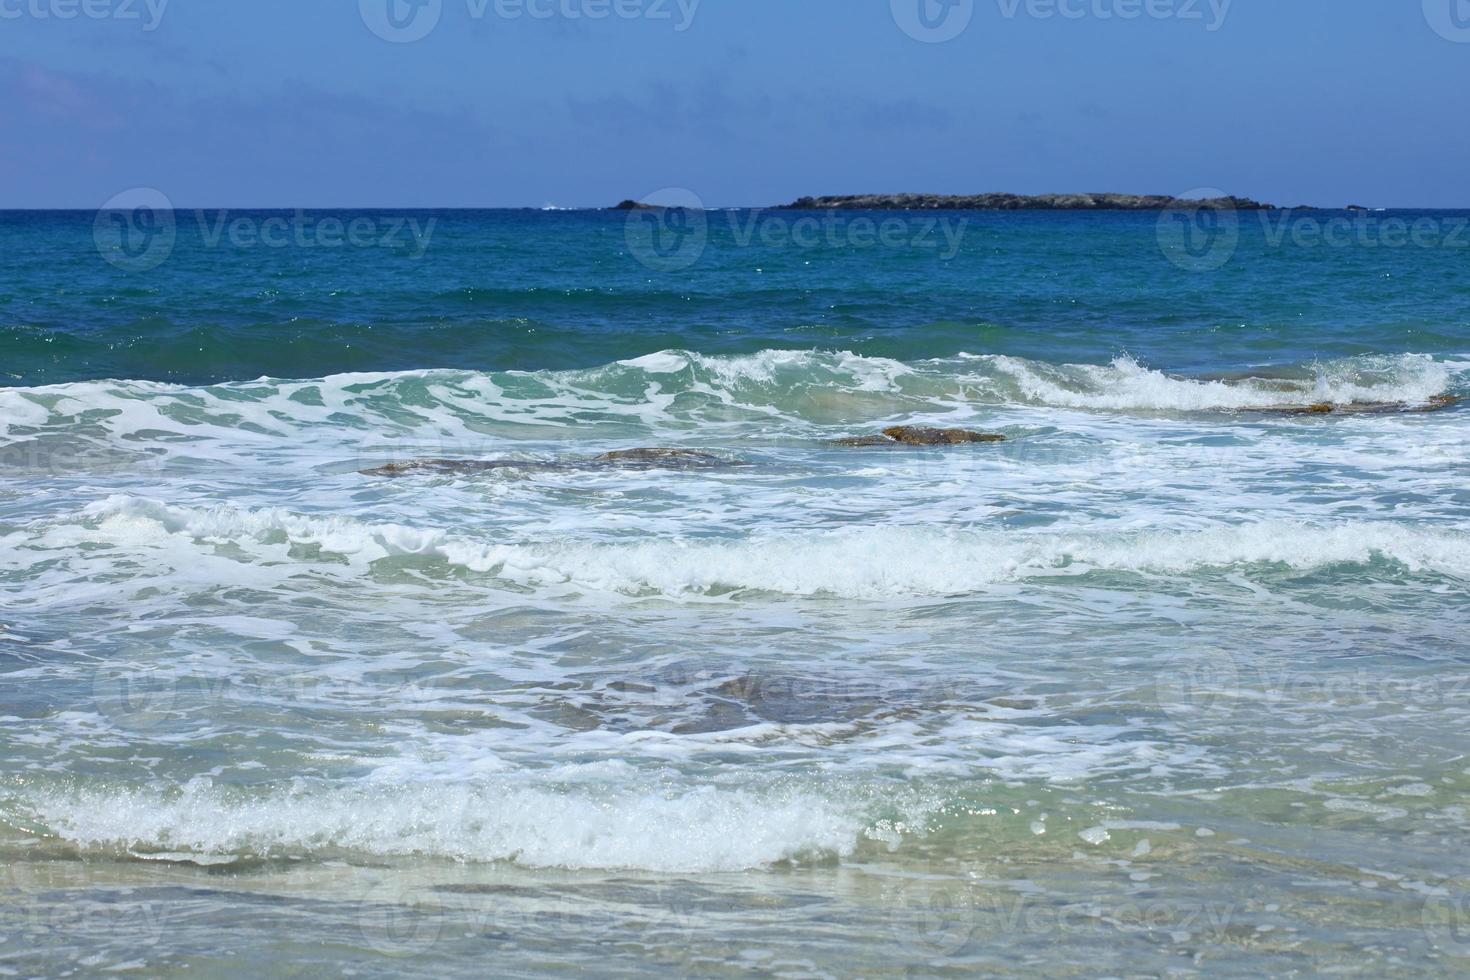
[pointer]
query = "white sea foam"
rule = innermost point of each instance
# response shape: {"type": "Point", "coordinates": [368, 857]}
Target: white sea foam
{"type": "Point", "coordinates": [797, 367]}
{"type": "Point", "coordinates": [865, 562]}
{"type": "Point", "coordinates": [1127, 385]}
{"type": "Point", "coordinates": [698, 829]}
{"type": "Point", "coordinates": [788, 392]}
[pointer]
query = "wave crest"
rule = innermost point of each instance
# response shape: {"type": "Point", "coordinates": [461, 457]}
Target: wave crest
{"type": "Point", "coordinates": [1126, 385]}
{"type": "Point", "coordinates": [799, 392]}
{"type": "Point", "coordinates": [864, 562]}
{"type": "Point", "coordinates": [699, 830]}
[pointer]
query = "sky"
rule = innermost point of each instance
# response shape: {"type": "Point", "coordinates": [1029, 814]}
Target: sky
{"type": "Point", "coordinates": [578, 103]}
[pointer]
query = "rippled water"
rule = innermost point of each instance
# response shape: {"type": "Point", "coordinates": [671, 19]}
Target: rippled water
{"type": "Point", "coordinates": [1168, 682]}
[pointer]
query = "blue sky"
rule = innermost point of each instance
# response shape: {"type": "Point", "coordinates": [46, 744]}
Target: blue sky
{"type": "Point", "coordinates": [292, 103]}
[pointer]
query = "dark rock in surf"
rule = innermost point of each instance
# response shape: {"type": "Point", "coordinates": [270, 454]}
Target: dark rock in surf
{"type": "Point", "coordinates": [861, 441]}
{"type": "Point", "coordinates": [449, 467]}
{"type": "Point", "coordinates": [918, 436]}
{"type": "Point", "coordinates": [1435, 404]}
{"type": "Point", "coordinates": [679, 459]}
{"type": "Point", "coordinates": [797, 700]}
{"type": "Point", "coordinates": [909, 435]}
{"type": "Point", "coordinates": [627, 459]}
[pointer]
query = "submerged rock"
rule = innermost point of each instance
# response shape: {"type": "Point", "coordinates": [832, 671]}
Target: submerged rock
{"type": "Point", "coordinates": [453, 467]}
{"type": "Point", "coordinates": [646, 459]}
{"type": "Point", "coordinates": [909, 435]}
{"type": "Point", "coordinates": [1435, 404]}
{"type": "Point", "coordinates": [917, 436]}
{"type": "Point", "coordinates": [865, 441]}
{"type": "Point", "coordinates": [797, 700]}
{"type": "Point", "coordinates": [679, 459]}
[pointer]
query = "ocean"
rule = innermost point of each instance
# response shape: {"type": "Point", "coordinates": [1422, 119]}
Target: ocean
{"type": "Point", "coordinates": [1175, 680]}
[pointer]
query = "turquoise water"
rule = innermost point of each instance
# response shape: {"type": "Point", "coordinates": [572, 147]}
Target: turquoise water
{"type": "Point", "coordinates": [1169, 682]}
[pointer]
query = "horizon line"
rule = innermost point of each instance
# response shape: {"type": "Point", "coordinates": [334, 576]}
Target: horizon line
{"type": "Point", "coordinates": [713, 207]}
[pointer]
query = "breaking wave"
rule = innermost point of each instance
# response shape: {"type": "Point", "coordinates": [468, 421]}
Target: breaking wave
{"type": "Point", "coordinates": [799, 392]}
{"type": "Point", "coordinates": [859, 562]}
{"type": "Point", "coordinates": [700, 829]}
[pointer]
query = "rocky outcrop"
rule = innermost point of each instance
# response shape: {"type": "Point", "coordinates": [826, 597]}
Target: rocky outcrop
{"type": "Point", "coordinates": [1018, 202]}
{"type": "Point", "coordinates": [862, 441]}
{"type": "Point", "coordinates": [678, 459]}
{"type": "Point", "coordinates": [1435, 404]}
{"type": "Point", "coordinates": [643, 459]}
{"type": "Point", "coordinates": [792, 700]}
{"type": "Point", "coordinates": [918, 436]}
{"type": "Point", "coordinates": [451, 467]}
{"type": "Point", "coordinates": [909, 435]}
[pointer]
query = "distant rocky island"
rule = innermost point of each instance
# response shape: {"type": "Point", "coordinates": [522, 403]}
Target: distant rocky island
{"type": "Point", "coordinates": [1018, 202]}
{"type": "Point", "coordinates": [998, 202]}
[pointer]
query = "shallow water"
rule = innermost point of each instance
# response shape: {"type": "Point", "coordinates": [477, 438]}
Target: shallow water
{"type": "Point", "coordinates": [1166, 683]}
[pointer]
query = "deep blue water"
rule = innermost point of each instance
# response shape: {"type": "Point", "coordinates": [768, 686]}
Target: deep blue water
{"type": "Point", "coordinates": [1173, 680]}
{"type": "Point", "coordinates": [531, 290]}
